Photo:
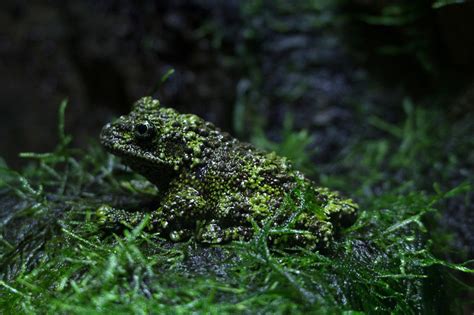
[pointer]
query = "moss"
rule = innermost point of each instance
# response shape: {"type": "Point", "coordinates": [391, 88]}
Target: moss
{"type": "Point", "coordinates": [54, 258]}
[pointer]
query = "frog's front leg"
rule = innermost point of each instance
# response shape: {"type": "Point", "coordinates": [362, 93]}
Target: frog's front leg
{"type": "Point", "coordinates": [110, 217]}
{"type": "Point", "coordinates": [180, 209]}
{"type": "Point", "coordinates": [228, 220]}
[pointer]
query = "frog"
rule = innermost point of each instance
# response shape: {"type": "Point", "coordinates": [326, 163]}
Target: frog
{"type": "Point", "coordinates": [214, 188]}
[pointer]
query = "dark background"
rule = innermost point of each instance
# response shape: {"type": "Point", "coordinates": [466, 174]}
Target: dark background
{"type": "Point", "coordinates": [103, 55]}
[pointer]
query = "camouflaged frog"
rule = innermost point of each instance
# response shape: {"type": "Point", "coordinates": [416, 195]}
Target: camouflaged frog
{"type": "Point", "coordinates": [213, 187]}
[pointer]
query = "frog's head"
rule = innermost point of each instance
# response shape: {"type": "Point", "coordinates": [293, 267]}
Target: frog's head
{"type": "Point", "coordinates": [156, 141]}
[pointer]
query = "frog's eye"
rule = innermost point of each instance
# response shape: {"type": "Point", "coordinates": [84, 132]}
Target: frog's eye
{"type": "Point", "coordinates": [144, 131]}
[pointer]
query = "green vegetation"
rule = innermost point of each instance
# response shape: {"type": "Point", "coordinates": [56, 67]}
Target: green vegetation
{"type": "Point", "coordinates": [294, 145]}
{"type": "Point", "coordinates": [403, 173]}
{"type": "Point", "coordinates": [54, 258]}
{"type": "Point", "coordinates": [403, 29]}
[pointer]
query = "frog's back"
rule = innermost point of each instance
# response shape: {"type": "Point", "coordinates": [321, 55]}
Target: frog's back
{"type": "Point", "coordinates": [252, 176]}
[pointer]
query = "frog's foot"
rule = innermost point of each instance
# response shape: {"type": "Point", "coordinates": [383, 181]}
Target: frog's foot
{"type": "Point", "coordinates": [304, 239]}
{"type": "Point", "coordinates": [212, 233]}
{"type": "Point", "coordinates": [309, 237]}
{"type": "Point", "coordinates": [110, 217]}
{"type": "Point", "coordinates": [180, 235]}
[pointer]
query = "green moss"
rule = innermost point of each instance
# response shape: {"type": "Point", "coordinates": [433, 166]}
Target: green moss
{"type": "Point", "coordinates": [54, 258]}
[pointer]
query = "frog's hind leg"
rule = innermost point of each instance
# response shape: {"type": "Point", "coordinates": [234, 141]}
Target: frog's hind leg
{"type": "Point", "coordinates": [212, 233]}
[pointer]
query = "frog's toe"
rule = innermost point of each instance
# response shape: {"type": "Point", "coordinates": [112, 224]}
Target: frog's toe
{"type": "Point", "coordinates": [212, 233]}
{"type": "Point", "coordinates": [179, 235]}
{"type": "Point", "coordinates": [103, 214]}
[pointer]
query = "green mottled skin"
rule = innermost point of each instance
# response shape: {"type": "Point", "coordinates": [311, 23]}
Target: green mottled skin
{"type": "Point", "coordinates": [212, 186]}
